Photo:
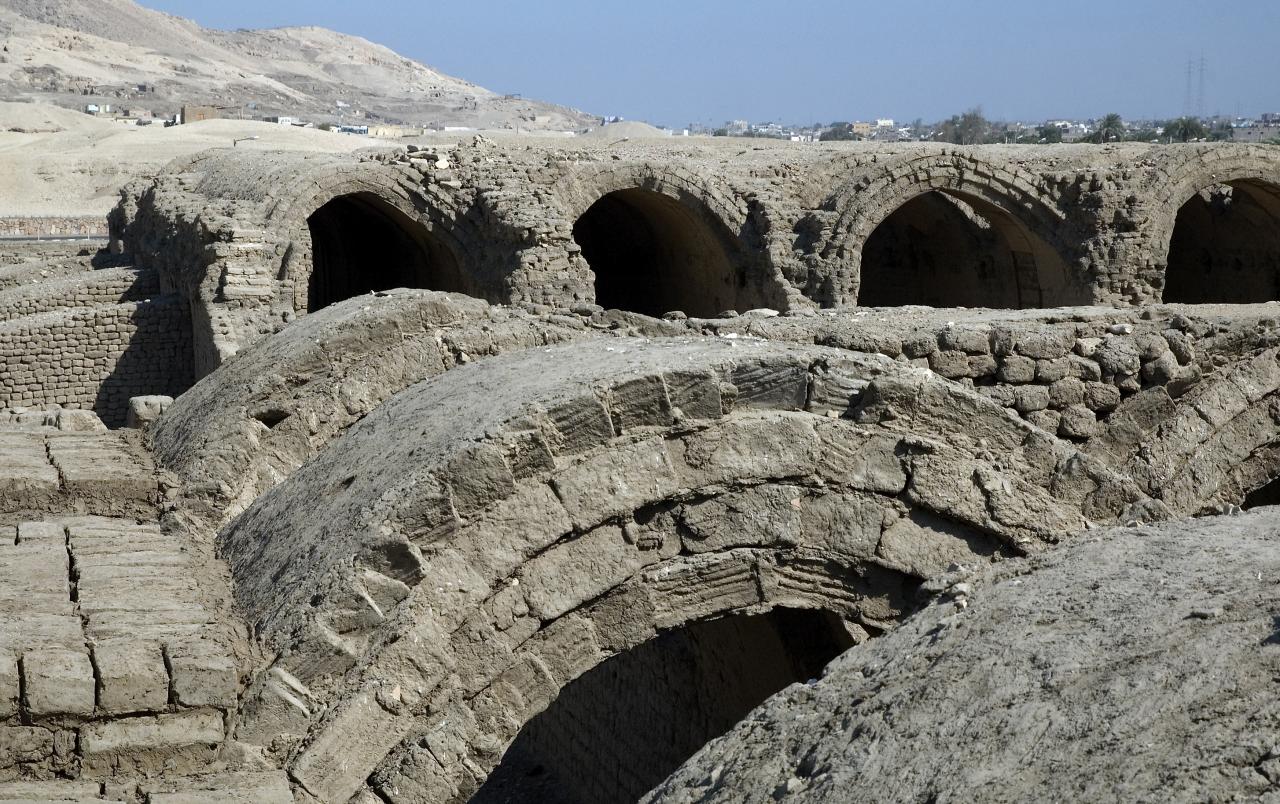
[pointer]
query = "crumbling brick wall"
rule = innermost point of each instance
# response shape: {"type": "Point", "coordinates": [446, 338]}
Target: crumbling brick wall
{"type": "Point", "coordinates": [96, 358]}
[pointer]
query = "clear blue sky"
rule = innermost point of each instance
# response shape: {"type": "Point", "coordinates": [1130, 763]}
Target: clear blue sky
{"type": "Point", "coordinates": [679, 61]}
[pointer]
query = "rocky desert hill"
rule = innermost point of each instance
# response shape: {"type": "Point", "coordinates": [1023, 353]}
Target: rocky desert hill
{"type": "Point", "coordinates": [73, 52]}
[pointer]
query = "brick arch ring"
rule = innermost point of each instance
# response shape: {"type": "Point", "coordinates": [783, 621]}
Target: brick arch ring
{"type": "Point", "coordinates": [438, 211]}
{"type": "Point", "coordinates": [1183, 171]}
{"type": "Point", "coordinates": [702, 212]}
{"type": "Point", "coordinates": [447, 604]}
{"type": "Point", "coordinates": [1019, 207]}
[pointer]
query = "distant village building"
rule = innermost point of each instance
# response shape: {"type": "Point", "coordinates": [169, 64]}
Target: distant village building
{"type": "Point", "coordinates": [1073, 132]}
{"type": "Point", "coordinates": [194, 114]}
{"type": "Point", "coordinates": [1262, 133]}
{"type": "Point", "coordinates": [389, 132]}
{"type": "Point", "coordinates": [860, 128]}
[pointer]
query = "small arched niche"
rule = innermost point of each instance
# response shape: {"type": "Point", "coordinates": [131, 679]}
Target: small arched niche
{"type": "Point", "coordinates": [621, 728]}
{"type": "Point", "coordinates": [1225, 246]}
{"type": "Point", "coordinates": [947, 249]}
{"type": "Point", "coordinates": [653, 254]}
{"type": "Point", "coordinates": [360, 243]}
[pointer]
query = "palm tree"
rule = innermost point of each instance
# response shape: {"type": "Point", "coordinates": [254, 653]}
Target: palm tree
{"type": "Point", "coordinates": [1111, 129]}
{"type": "Point", "coordinates": [1185, 129]}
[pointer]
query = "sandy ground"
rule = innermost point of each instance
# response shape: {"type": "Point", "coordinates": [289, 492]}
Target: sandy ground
{"type": "Point", "coordinates": [70, 164]}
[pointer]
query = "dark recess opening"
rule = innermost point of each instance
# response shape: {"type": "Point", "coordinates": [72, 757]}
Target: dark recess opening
{"type": "Point", "coordinates": [1266, 495]}
{"type": "Point", "coordinates": [1225, 247]}
{"type": "Point", "coordinates": [943, 250]}
{"type": "Point", "coordinates": [652, 254]}
{"type": "Point", "coordinates": [621, 728]}
{"type": "Point", "coordinates": [361, 244]}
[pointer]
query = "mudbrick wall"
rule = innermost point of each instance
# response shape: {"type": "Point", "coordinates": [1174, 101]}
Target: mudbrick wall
{"type": "Point", "coordinates": [89, 289]}
{"type": "Point", "coordinates": [717, 226]}
{"type": "Point", "coordinates": [54, 227]}
{"type": "Point", "coordinates": [404, 545]}
{"type": "Point", "coordinates": [32, 263]}
{"type": "Point", "coordinates": [95, 357]}
{"type": "Point", "coordinates": [113, 664]}
{"type": "Point", "coordinates": [1167, 411]}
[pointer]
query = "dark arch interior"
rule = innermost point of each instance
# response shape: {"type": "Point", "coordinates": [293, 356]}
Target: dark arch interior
{"type": "Point", "coordinates": [360, 243]}
{"type": "Point", "coordinates": [1225, 246]}
{"type": "Point", "coordinates": [1266, 495]}
{"type": "Point", "coordinates": [943, 250]}
{"type": "Point", "coordinates": [652, 254]}
{"type": "Point", "coordinates": [623, 727]}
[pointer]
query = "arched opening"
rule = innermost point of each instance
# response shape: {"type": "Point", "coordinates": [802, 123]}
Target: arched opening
{"type": "Point", "coordinates": [942, 249]}
{"type": "Point", "coordinates": [624, 726]}
{"type": "Point", "coordinates": [1225, 246]}
{"type": "Point", "coordinates": [360, 244]}
{"type": "Point", "coordinates": [652, 254]}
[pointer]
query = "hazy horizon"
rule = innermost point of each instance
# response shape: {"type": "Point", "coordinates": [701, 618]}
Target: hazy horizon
{"type": "Point", "coordinates": [675, 63]}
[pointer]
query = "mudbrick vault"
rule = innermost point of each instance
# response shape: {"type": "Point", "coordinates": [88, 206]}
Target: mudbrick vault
{"type": "Point", "coordinates": [497, 471]}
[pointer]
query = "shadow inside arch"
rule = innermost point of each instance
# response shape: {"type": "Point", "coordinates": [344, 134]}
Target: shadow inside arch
{"type": "Point", "coordinates": [1225, 246]}
{"type": "Point", "coordinates": [946, 248]}
{"type": "Point", "coordinates": [360, 244]}
{"type": "Point", "coordinates": [651, 253]}
{"type": "Point", "coordinates": [617, 731]}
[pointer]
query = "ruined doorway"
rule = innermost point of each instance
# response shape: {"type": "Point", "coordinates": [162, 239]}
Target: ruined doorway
{"type": "Point", "coordinates": [624, 726]}
{"type": "Point", "coordinates": [653, 254]}
{"type": "Point", "coordinates": [1225, 246]}
{"type": "Point", "coordinates": [360, 244]}
{"type": "Point", "coordinates": [942, 249]}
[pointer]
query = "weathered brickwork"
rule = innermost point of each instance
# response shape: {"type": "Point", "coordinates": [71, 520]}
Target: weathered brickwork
{"type": "Point", "coordinates": [109, 631]}
{"type": "Point", "coordinates": [33, 263]}
{"type": "Point", "coordinates": [91, 289]}
{"type": "Point", "coordinates": [95, 357]}
{"type": "Point", "coordinates": [610, 418]}
{"type": "Point", "coordinates": [111, 660]}
{"type": "Point", "coordinates": [966, 385]}
{"type": "Point", "coordinates": [764, 226]}
{"type": "Point", "coordinates": [716, 672]}
{"type": "Point", "coordinates": [648, 546]}
{"type": "Point", "coordinates": [75, 469]}
{"type": "Point", "coordinates": [54, 227]}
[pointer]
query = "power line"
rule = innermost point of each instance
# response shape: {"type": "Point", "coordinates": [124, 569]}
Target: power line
{"type": "Point", "coordinates": [1186, 98]}
{"type": "Point", "coordinates": [1193, 99]}
{"type": "Point", "coordinates": [1200, 107]}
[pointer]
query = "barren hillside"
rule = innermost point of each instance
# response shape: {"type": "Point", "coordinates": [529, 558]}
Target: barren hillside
{"type": "Point", "coordinates": [72, 52]}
